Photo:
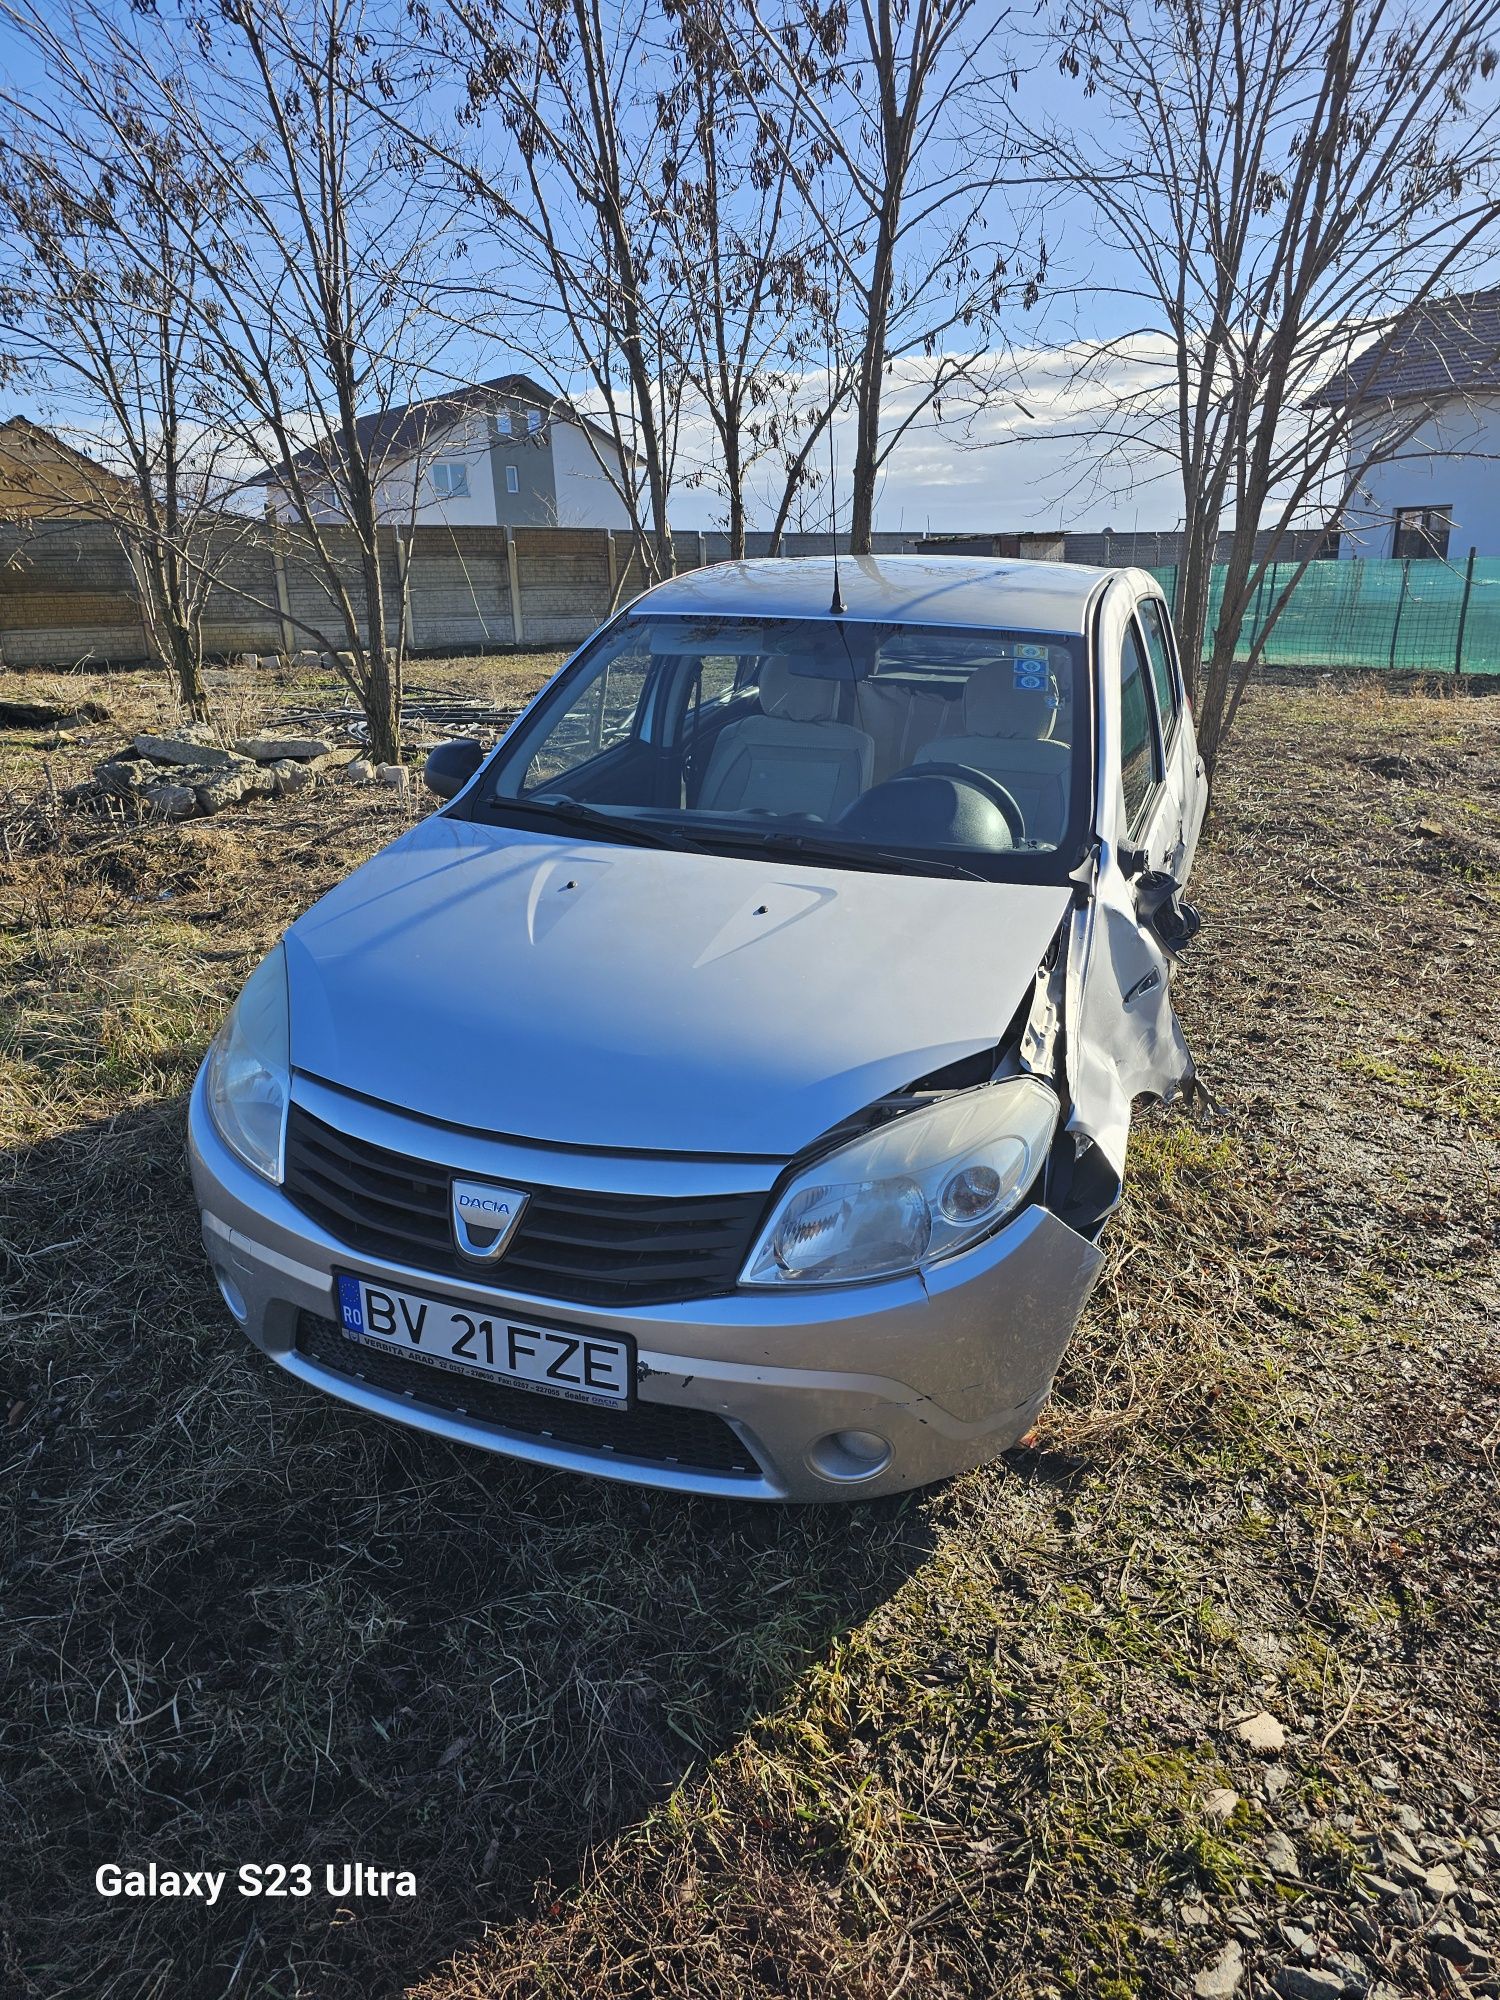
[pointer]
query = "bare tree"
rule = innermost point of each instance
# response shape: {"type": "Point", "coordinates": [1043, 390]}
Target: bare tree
{"type": "Point", "coordinates": [249, 133]}
{"type": "Point", "coordinates": [877, 105]}
{"type": "Point", "coordinates": [92, 281]}
{"type": "Point", "coordinates": [325, 284]}
{"type": "Point", "coordinates": [755, 323]}
{"type": "Point", "coordinates": [1288, 182]}
{"type": "Point", "coordinates": [654, 244]}
{"type": "Point", "coordinates": [578, 217]}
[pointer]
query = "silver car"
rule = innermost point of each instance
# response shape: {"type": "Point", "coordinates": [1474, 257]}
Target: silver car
{"type": "Point", "coordinates": [726, 1089]}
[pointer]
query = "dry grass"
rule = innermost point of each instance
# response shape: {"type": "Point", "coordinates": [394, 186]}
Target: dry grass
{"type": "Point", "coordinates": [954, 1745]}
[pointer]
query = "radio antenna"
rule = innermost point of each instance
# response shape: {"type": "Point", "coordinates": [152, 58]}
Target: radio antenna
{"type": "Point", "coordinates": [836, 606]}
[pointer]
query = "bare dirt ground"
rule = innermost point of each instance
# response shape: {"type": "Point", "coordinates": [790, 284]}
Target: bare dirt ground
{"type": "Point", "coordinates": [984, 1740]}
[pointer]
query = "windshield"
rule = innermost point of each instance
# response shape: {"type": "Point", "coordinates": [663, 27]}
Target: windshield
{"type": "Point", "coordinates": [926, 748]}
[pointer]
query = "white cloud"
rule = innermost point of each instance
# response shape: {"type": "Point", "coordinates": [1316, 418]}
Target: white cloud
{"type": "Point", "coordinates": [1028, 446]}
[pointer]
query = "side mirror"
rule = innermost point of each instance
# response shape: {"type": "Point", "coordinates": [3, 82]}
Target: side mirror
{"type": "Point", "coordinates": [449, 768]}
{"type": "Point", "coordinates": [1159, 904]}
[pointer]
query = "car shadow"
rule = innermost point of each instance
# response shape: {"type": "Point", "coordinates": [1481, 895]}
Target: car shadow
{"type": "Point", "coordinates": [250, 1625]}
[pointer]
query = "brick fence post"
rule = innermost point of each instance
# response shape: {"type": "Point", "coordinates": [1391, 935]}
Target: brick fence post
{"type": "Point", "coordinates": [283, 593]}
{"type": "Point", "coordinates": [513, 569]}
{"type": "Point", "coordinates": [403, 588]}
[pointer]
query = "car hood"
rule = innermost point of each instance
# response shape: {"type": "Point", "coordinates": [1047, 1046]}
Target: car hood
{"type": "Point", "coordinates": [584, 994]}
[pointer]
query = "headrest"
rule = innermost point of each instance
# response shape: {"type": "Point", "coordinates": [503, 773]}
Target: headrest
{"type": "Point", "coordinates": [795, 697]}
{"type": "Point", "coordinates": [994, 706]}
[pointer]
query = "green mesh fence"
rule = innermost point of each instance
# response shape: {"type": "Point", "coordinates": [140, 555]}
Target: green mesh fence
{"type": "Point", "coordinates": [1418, 617]}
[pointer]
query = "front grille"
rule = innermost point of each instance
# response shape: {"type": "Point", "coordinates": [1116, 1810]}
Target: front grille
{"type": "Point", "coordinates": [595, 1249]}
{"type": "Point", "coordinates": [648, 1433]}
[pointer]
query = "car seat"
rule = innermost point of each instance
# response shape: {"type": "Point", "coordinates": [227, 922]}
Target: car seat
{"type": "Point", "coordinates": [1008, 738]}
{"type": "Point", "coordinates": [792, 758]}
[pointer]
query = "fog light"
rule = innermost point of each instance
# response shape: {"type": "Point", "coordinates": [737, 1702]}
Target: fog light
{"type": "Point", "coordinates": [232, 1296]}
{"type": "Point", "coordinates": [850, 1455]}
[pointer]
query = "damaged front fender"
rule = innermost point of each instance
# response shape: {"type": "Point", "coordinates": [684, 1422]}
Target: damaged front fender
{"type": "Point", "coordinates": [1123, 1037]}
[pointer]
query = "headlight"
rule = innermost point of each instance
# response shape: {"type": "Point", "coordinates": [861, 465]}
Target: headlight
{"type": "Point", "coordinates": [249, 1070]}
{"type": "Point", "coordinates": [917, 1190]}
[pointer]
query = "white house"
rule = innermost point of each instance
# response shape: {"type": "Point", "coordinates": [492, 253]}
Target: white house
{"type": "Point", "coordinates": [502, 453]}
{"type": "Point", "coordinates": [1430, 394]}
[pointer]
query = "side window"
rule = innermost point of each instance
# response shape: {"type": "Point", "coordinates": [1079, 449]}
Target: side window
{"type": "Point", "coordinates": [708, 693]}
{"type": "Point", "coordinates": [603, 712]}
{"type": "Point", "coordinates": [721, 676]}
{"type": "Point", "coordinates": [1159, 650]}
{"type": "Point", "coordinates": [1140, 752]}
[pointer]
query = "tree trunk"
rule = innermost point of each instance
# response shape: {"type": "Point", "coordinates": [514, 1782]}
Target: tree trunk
{"type": "Point", "coordinates": [866, 444]}
{"type": "Point", "coordinates": [383, 670]}
{"type": "Point", "coordinates": [1190, 596]}
{"type": "Point", "coordinates": [871, 387]}
{"type": "Point", "coordinates": [1212, 715]}
{"type": "Point", "coordinates": [175, 630]}
{"type": "Point", "coordinates": [734, 478]}
{"type": "Point", "coordinates": [383, 709]}
{"type": "Point", "coordinates": [188, 667]}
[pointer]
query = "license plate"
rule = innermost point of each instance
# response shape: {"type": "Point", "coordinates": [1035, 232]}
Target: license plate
{"type": "Point", "coordinates": [467, 1340]}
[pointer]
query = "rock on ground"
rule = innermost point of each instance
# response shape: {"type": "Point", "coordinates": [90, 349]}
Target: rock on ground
{"type": "Point", "coordinates": [192, 744]}
{"type": "Point", "coordinates": [1307, 1982]}
{"type": "Point", "coordinates": [291, 776]}
{"type": "Point", "coordinates": [1221, 1980]}
{"type": "Point", "coordinates": [395, 775]}
{"type": "Point", "coordinates": [126, 775]}
{"type": "Point", "coordinates": [1440, 1881]}
{"type": "Point", "coordinates": [359, 771]}
{"type": "Point", "coordinates": [242, 779]}
{"type": "Point", "coordinates": [172, 801]}
{"type": "Point", "coordinates": [275, 749]}
{"type": "Point", "coordinates": [1262, 1732]}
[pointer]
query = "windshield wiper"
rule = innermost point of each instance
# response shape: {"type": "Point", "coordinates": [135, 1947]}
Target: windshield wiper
{"type": "Point", "coordinates": [848, 855]}
{"type": "Point", "coordinates": [570, 813]}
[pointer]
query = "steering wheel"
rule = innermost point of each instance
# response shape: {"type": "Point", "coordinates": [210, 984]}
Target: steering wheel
{"type": "Point", "coordinates": [979, 781]}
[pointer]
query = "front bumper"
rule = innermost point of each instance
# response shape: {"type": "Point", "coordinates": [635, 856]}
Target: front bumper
{"type": "Point", "coordinates": [949, 1369]}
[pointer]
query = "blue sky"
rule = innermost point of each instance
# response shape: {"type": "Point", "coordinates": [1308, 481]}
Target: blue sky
{"type": "Point", "coordinates": [1029, 458]}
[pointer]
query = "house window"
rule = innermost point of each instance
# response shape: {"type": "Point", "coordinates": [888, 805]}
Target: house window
{"type": "Point", "coordinates": [533, 420]}
{"type": "Point", "coordinates": [502, 423]}
{"type": "Point", "coordinates": [512, 480]}
{"type": "Point", "coordinates": [450, 480]}
{"type": "Point", "coordinates": [1422, 533]}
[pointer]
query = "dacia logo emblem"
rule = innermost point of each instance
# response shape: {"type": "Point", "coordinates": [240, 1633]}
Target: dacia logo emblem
{"type": "Point", "coordinates": [484, 1218]}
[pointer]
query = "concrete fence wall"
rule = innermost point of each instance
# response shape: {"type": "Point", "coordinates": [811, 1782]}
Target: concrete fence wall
{"type": "Point", "coordinates": [68, 592]}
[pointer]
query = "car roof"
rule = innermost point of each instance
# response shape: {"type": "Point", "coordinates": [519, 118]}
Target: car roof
{"type": "Point", "coordinates": [985, 591]}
